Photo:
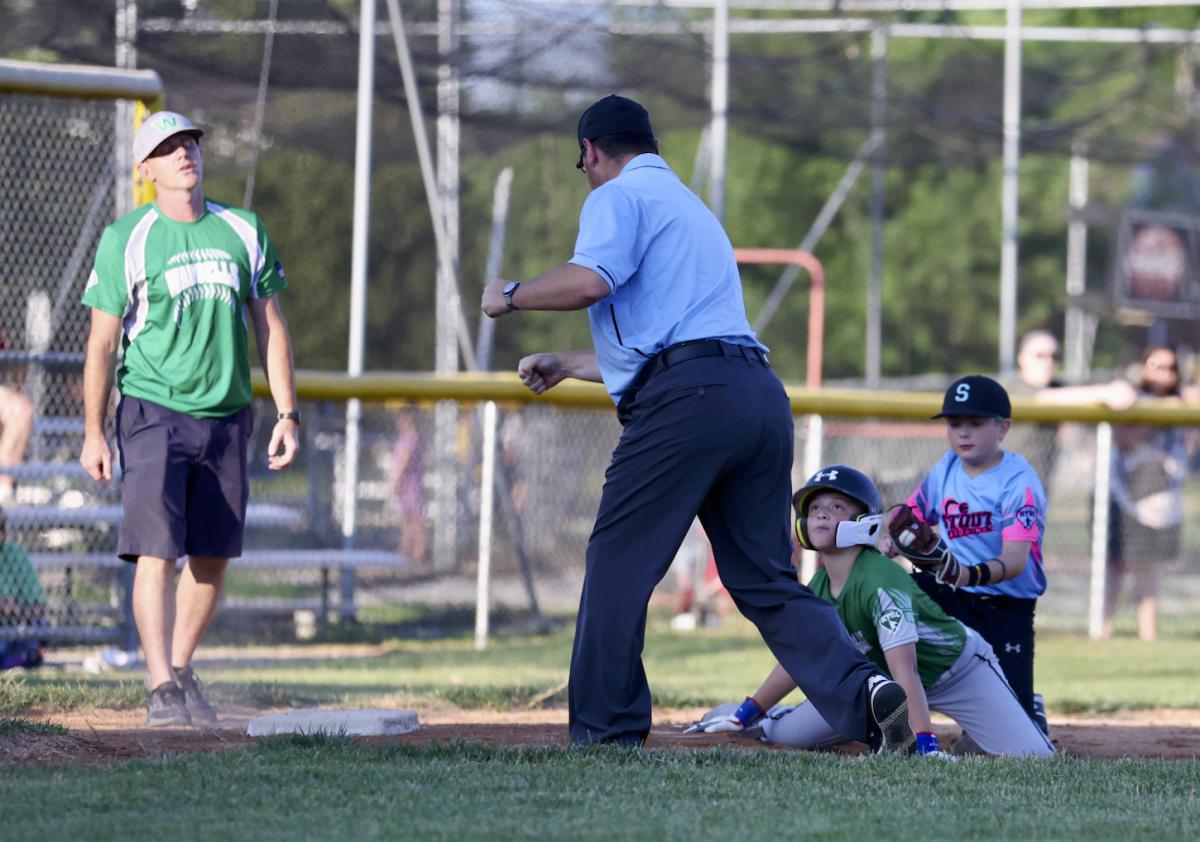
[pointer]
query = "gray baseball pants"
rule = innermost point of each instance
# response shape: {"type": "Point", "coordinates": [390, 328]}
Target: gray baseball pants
{"type": "Point", "coordinates": [973, 692]}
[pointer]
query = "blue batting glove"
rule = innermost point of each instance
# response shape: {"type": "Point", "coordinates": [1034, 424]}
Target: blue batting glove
{"type": "Point", "coordinates": [927, 743]}
{"type": "Point", "coordinates": [749, 712]}
{"type": "Point", "coordinates": [746, 715]}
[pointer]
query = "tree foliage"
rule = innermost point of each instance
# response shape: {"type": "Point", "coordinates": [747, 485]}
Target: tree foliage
{"type": "Point", "coordinates": [800, 108]}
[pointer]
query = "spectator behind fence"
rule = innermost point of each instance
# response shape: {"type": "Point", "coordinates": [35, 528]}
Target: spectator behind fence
{"type": "Point", "coordinates": [22, 602]}
{"type": "Point", "coordinates": [1149, 467]}
{"type": "Point", "coordinates": [408, 486]}
{"type": "Point", "coordinates": [16, 425]}
{"type": "Point", "coordinates": [1037, 367]}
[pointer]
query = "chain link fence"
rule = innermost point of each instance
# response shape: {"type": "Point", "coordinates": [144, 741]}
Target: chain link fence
{"type": "Point", "coordinates": [56, 166]}
{"type": "Point", "coordinates": [60, 189]}
{"type": "Point", "coordinates": [550, 465]}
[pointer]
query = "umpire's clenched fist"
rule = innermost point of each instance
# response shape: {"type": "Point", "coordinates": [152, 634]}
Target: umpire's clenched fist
{"type": "Point", "coordinates": [541, 371]}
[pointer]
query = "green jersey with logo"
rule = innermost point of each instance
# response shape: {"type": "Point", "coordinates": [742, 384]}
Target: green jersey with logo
{"type": "Point", "coordinates": [882, 608]}
{"type": "Point", "coordinates": [180, 289]}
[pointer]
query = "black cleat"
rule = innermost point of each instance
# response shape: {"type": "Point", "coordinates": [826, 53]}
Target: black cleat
{"type": "Point", "coordinates": [887, 712]}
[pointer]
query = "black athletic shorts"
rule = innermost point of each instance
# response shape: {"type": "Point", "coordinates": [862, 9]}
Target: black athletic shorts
{"type": "Point", "coordinates": [185, 485]}
{"type": "Point", "coordinates": [1006, 622]}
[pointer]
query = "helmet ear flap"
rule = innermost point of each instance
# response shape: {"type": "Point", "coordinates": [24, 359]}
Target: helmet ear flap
{"type": "Point", "coordinates": [802, 533]}
{"type": "Point", "coordinates": [862, 531]}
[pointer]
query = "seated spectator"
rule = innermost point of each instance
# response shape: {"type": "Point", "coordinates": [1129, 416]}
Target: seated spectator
{"type": "Point", "coordinates": [1149, 468]}
{"type": "Point", "coordinates": [22, 603]}
{"type": "Point", "coordinates": [16, 424]}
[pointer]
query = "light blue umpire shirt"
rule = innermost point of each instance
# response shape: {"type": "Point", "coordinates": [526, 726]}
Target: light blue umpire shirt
{"type": "Point", "coordinates": [669, 265]}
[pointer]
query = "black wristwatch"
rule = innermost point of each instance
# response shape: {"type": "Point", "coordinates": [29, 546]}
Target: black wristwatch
{"type": "Point", "coordinates": [509, 289]}
{"type": "Point", "coordinates": [294, 415]}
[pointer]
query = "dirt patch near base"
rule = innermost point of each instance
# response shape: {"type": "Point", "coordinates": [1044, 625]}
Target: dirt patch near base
{"type": "Point", "coordinates": [101, 737]}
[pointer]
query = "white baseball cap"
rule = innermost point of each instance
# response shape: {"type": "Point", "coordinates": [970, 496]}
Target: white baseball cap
{"type": "Point", "coordinates": [157, 128]}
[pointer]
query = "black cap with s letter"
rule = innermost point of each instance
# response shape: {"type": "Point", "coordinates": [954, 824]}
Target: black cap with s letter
{"type": "Point", "coordinates": [978, 395]}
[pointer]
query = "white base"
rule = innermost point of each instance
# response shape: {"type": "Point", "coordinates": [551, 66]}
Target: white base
{"type": "Point", "coordinates": [350, 723]}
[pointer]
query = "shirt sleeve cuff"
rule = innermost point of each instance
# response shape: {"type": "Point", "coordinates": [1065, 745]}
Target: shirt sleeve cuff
{"type": "Point", "coordinates": [1017, 532]}
{"type": "Point", "coordinates": [103, 307]}
{"type": "Point", "coordinates": [588, 263]}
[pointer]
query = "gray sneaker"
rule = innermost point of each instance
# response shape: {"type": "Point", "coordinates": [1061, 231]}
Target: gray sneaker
{"type": "Point", "coordinates": [193, 695]}
{"type": "Point", "coordinates": [166, 706]}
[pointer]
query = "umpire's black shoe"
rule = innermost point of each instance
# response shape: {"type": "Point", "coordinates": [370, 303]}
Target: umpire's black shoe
{"type": "Point", "coordinates": [887, 715]}
{"type": "Point", "coordinates": [166, 707]}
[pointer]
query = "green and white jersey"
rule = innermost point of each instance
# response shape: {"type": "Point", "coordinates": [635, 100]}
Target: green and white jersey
{"type": "Point", "coordinates": [882, 608]}
{"type": "Point", "coordinates": [180, 289]}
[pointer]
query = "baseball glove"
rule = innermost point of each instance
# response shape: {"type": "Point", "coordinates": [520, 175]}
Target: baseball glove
{"type": "Point", "coordinates": [916, 541]}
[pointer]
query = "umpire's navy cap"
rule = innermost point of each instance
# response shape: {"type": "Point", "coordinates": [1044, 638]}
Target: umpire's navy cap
{"type": "Point", "coordinates": [613, 115]}
{"type": "Point", "coordinates": [976, 394]}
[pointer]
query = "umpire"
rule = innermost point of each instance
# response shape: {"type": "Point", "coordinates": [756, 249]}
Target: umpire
{"type": "Point", "coordinates": [707, 430]}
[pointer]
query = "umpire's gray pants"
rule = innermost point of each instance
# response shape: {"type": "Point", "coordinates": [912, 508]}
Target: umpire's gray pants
{"type": "Point", "coordinates": [973, 692]}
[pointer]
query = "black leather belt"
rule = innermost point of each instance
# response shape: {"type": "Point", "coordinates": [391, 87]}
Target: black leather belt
{"type": "Point", "coordinates": [696, 348]}
{"type": "Point", "coordinates": [681, 352]}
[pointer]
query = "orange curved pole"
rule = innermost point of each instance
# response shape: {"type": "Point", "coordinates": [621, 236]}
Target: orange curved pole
{"type": "Point", "coordinates": [816, 300]}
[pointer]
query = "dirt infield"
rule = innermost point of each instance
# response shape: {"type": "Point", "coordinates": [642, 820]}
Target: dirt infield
{"type": "Point", "coordinates": [101, 737]}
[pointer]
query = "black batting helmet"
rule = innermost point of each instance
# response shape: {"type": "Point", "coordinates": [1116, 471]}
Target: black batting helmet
{"type": "Point", "coordinates": [844, 480]}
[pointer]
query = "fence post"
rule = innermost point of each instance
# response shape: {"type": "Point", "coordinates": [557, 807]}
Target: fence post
{"type": "Point", "coordinates": [487, 484]}
{"type": "Point", "coordinates": [346, 574]}
{"type": "Point", "coordinates": [814, 441]}
{"type": "Point", "coordinates": [1101, 495]}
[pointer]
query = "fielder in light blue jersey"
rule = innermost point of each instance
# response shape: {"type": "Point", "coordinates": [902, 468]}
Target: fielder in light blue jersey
{"type": "Point", "coordinates": [990, 508]}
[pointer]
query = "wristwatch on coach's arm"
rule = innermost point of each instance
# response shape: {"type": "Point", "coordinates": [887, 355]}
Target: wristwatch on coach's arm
{"type": "Point", "coordinates": [509, 289]}
{"type": "Point", "coordinates": [294, 415]}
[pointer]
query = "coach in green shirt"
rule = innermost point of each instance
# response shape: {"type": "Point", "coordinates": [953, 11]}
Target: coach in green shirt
{"type": "Point", "coordinates": [173, 282]}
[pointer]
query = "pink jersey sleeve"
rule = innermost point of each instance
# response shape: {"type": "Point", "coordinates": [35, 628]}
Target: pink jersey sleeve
{"type": "Point", "coordinates": [1025, 520]}
{"type": "Point", "coordinates": [918, 501]}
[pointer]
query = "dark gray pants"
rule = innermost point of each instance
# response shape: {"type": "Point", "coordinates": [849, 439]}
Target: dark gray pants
{"type": "Point", "coordinates": [711, 436]}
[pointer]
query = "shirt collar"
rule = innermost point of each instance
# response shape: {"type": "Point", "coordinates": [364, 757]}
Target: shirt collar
{"type": "Point", "coordinates": [646, 159]}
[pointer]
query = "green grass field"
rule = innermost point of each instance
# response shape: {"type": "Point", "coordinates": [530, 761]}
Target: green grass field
{"type": "Point", "coordinates": [1075, 674]}
{"type": "Point", "coordinates": [300, 788]}
{"type": "Point", "coordinates": [330, 788]}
